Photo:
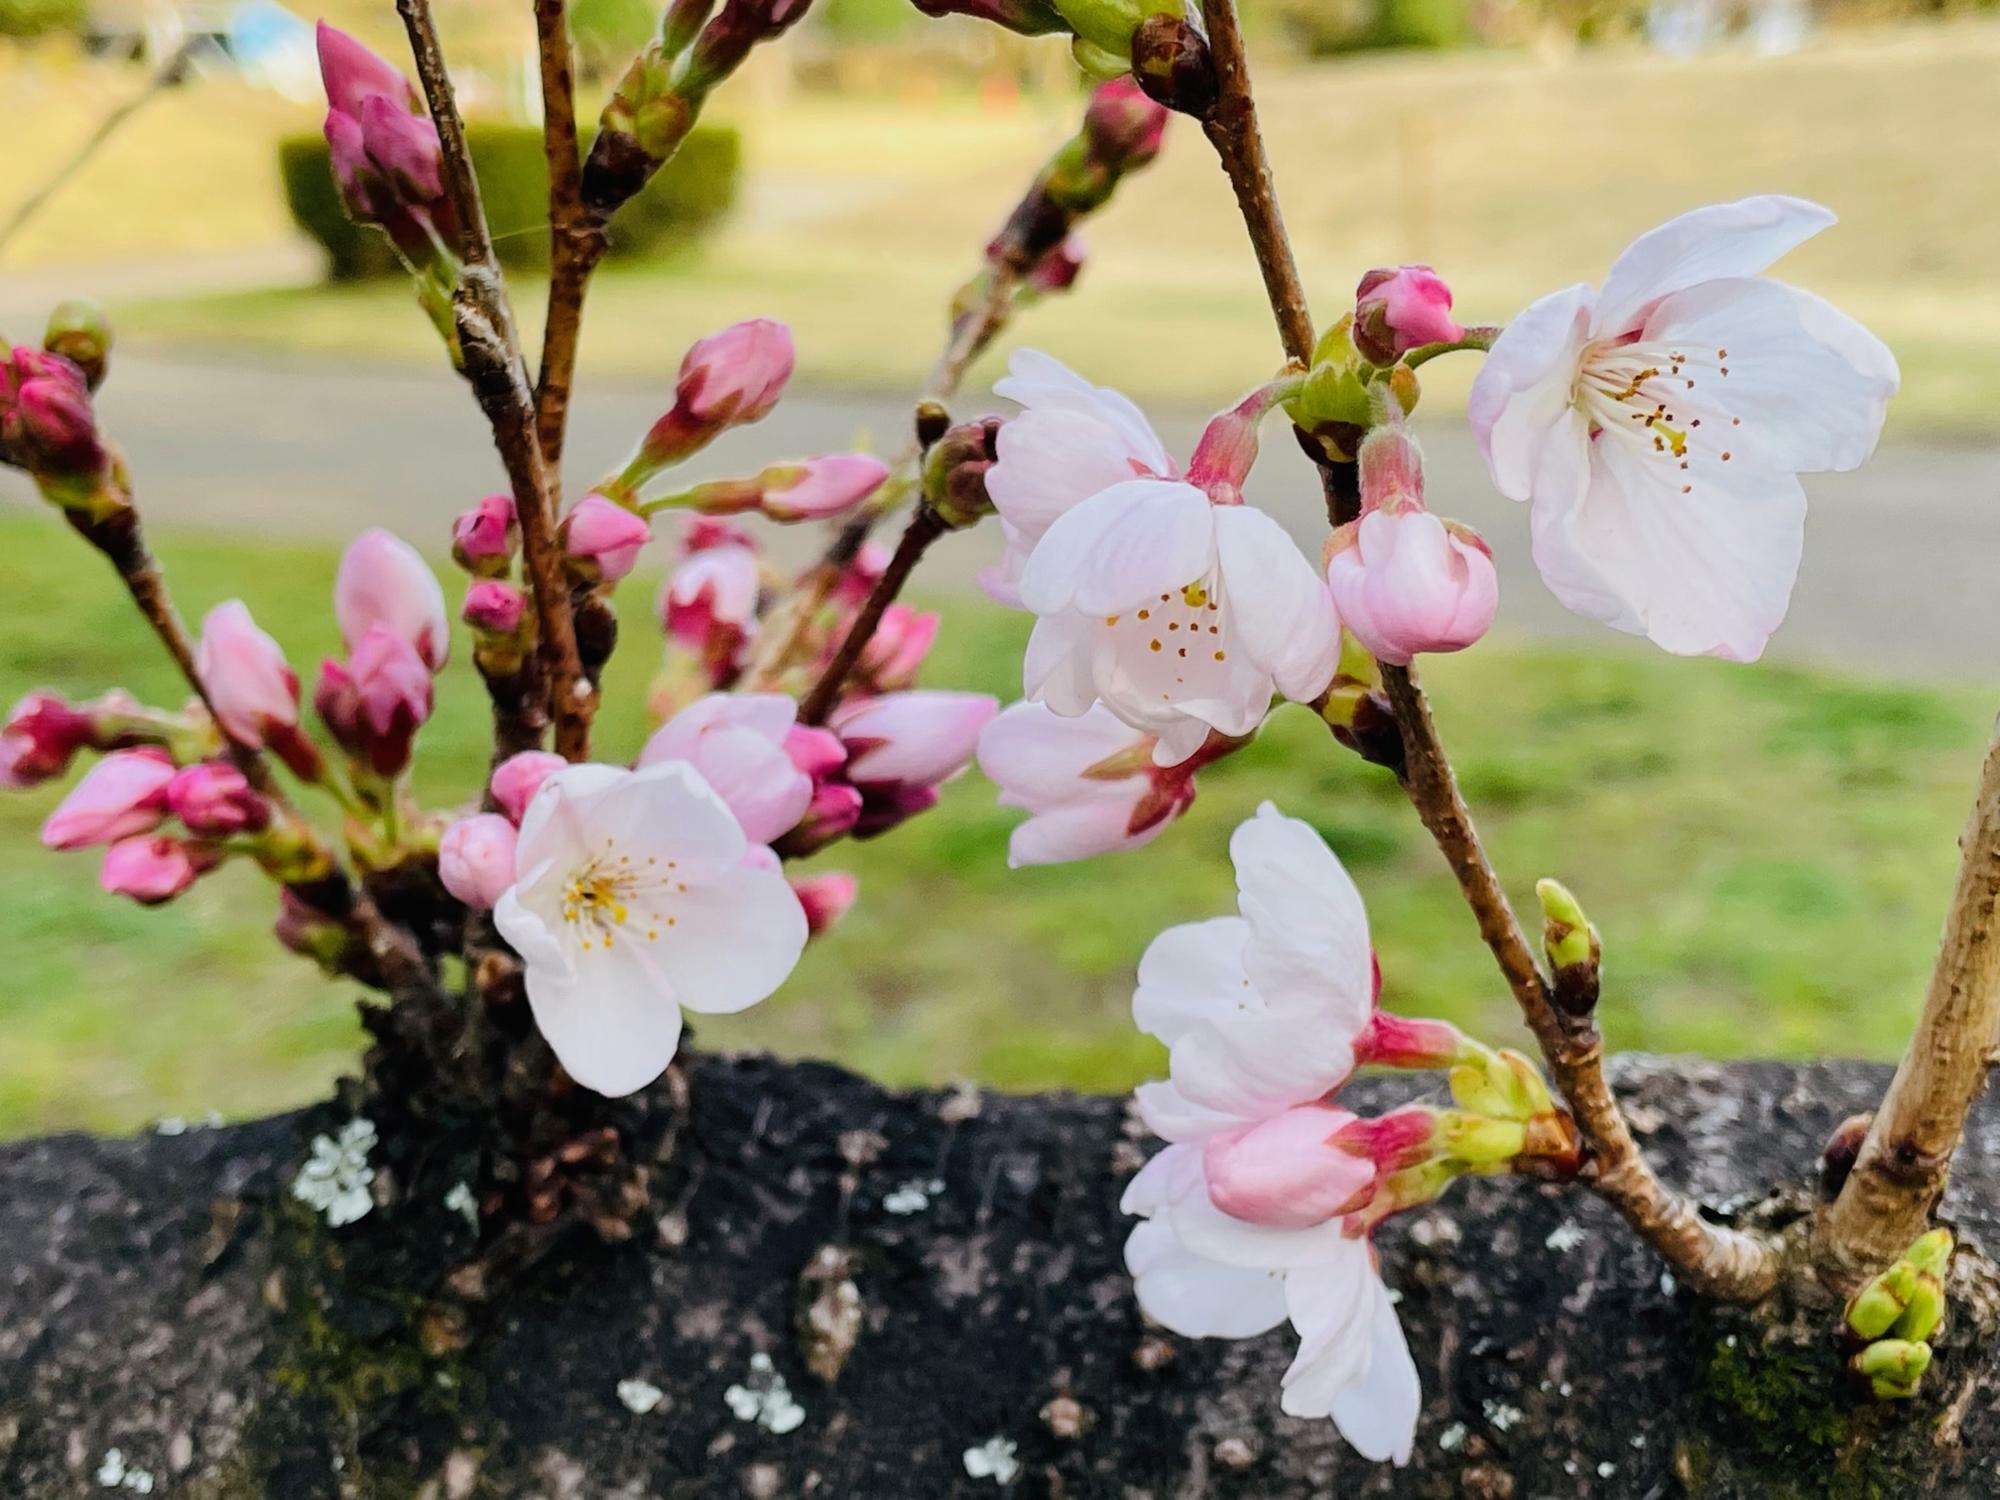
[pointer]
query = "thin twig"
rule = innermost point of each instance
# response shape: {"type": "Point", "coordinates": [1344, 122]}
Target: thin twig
{"type": "Point", "coordinates": [1888, 1197]}
{"type": "Point", "coordinates": [925, 527]}
{"type": "Point", "coordinates": [575, 243]}
{"type": "Point", "coordinates": [1713, 1259]}
{"type": "Point", "coordinates": [491, 352]}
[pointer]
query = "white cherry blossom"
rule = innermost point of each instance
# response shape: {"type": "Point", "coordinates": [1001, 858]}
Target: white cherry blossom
{"type": "Point", "coordinates": [1659, 425]}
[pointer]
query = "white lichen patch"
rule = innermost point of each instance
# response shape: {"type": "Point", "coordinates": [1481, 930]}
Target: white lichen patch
{"type": "Point", "coordinates": [765, 1399]}
{"type": "Point", "coordinates": [115, 1474]}
{"type": "Point", "coordinates": [1501, 1415]}
{"type": "Point", "coordinates": [336, 1176]}
{"type": "Point", "coordinates": [461, 1202]}
{"type": "Point", "coordinates": [914, 1196]}
{"type": "Point", "coordinates": [1606, 1469]}
{"type": "Point", "coordinates": [640, 1396]}
{"type": "Point", "coordinates": [176, 1125]}
{"type": "Point", "coordinates": [993, 1459]}
{"type": "Point", "coordinates": [1565, 1237]}
{"type": "Point", "coordinates": [1453, 1437]}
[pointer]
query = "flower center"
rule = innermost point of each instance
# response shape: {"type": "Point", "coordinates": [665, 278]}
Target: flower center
{"type": "Point", "coordinates": [1655, 398]}
{"type": "Point", "coordinates": [609, 894]}
{"type": "Point", "coordinates": [1178, 638]}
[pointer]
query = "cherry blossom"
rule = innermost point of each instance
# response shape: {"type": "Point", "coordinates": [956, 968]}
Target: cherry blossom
{"type": "Point", "coordinates": [737, 742]}
{"type": "Point", "coordinates": [383, 582]}
{"type": "Point", "coordinates": [636, 896]}
{"type": "Point", "coordinates": [1659, 425]}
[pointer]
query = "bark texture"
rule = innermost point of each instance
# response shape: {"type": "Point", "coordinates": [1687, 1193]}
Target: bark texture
{"type": "Point", "coordinates": [164, 1296]}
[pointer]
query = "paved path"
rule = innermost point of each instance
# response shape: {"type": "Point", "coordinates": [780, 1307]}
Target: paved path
{"type": "Point", "coordinates": [1902, 568]}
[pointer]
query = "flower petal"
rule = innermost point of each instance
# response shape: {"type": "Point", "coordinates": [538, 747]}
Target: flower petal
{"type": "Point", "coordinates": [1723, 239]}
{"type": "Point", "coordinates": [1330, 1303]}
{"type": "Point", "coordinates": [1524, 389]}
{"type": "Point", "coordinates": [1041, 382]}
{"type": "Point", "coordinates": [553, 819]}
{"type": "Point", "coordinates": [1309, 952]}
{"type": "Point", "coordinates": [737, 937]}
{"type": "Point", "coordinates": [1056, 669]}
{"type": "Point", "coordinates": [1212, 1234]}
{"type": "Point", "coordinates": [1172, 1116]}
{"type": "Point", "coordinates": [1190, 974]}
{"type": "Point", "coordinates": [1378, 1414]}
{"type": "Point", "coordinates": [1199, 1298]}
{"type": "Point", "coordinates": [1255, 1065]}
{"type": "Point", "coordinates": [612, 1021]}
{"type": "Point", "coordinates": [1279, 606]}
{"type": "Point", "coordinates": [1050, 461]}
{"type": "Point", "coordinates": [1120, 547]}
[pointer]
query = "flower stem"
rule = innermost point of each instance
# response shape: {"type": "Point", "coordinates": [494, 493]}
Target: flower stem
{"type": "Point", "coordinates": [925, 527]}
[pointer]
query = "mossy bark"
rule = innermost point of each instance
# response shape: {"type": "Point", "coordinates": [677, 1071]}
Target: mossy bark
{"type": "Point", "coordinates": [165, 1297]}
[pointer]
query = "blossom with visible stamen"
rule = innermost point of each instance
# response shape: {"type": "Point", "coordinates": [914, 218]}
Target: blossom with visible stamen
{"type": "Point", "coordinates": [636, 896]}
{"type": "Point", "coordinates": [1660, 423]}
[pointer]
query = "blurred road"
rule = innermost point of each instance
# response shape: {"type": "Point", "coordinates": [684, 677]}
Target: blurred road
{"type": "Point", "coordinates": [1902, 564]}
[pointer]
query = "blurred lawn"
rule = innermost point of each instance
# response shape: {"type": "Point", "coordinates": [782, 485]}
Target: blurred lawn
{"type": "Point", "coordinates": [1766, 850]}
{"type": "Point", "coordinates": [1513, 174]}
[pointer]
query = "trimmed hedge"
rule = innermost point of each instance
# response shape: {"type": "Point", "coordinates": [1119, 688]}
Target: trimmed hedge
{"type": "Point", "coordinates": [697, 188]}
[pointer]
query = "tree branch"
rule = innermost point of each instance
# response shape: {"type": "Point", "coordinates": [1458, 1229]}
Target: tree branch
{"type": "Point", "coordinates": [576, 243]}
{"type": "Point", "coordinates": [1887, 1199]}
{"type": "Point", "coordinates": [491, 352]}
{"type": "Point", "coordinates": [925, 527]}
{"type": "Point", "coordinates": [1713, 1259]}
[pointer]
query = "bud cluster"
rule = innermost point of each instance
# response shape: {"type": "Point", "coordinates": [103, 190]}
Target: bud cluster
{"type": "Point", "coordinates": [1894, 1316]}
{"type": "Point", "coordinates": [387, 160]}
{"type": "Point", "coordinates": [48, 428]}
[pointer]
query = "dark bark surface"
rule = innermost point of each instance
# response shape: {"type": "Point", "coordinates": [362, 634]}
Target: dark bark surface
{"type": "Point", "coordinates": [163, 1296]}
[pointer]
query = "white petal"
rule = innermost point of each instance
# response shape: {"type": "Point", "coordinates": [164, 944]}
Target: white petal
{"type": "Point", "coordinates": [1078, 831]}
{"type": "Point", "coordinates": [1253, 1066]}
{"type": "Point", "coordinates": [1199, 1298]}
{"type": "Point", "coordinates": [1041, 382]}
{"type": "Point", "coordinates": [1809, 385]}
{"type": "Point", "coordinates": [737, 937]}
{"type": "Point", "coordinates": [531, 930]}
{"type": "Point", "coordinates": [1723, 239]}
{"type": "Point", "coordinates": [1171, 1116]}
{"type": "Point", "coordinates": [1279, 606]}
{"type": "Point", "coordinates": [1041, 756]}
{"type": "Point", "coordinates": [1212, 1234]}
{"type": "Point", "coordinates": [668, 810]}
{"type": "Point", "coordinates": [612, 1022]}
{"type": "Point", "coordinates": [1582, 579]}
{"type": "Point", "coordinates": [1050, 461]}
{"type": "Point", "coordinates": [1523, 391]}
{"type": "Point", "coordinates": [1309, 952]}
{"type": "Point", "coordinates": [1190, 974]}
{"type": "Point", "coordinates": [1120, 547]}
{"type": "Point", "coordinates": [1056, 669]}
{"type": "Point", "coordinates": [1172, 1173]}
{"type": "Point", "coordinates": [1187, 732]}
{"type": "Point", "coordinates": [1378, 1414]}
{"type": "Point", "coordinates": [552, 822]}
{"type": "Point", "coordinates": [1330, 1304]}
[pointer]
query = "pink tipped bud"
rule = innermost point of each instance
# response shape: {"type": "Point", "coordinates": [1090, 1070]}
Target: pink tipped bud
{"type": "Point", "coordinates": [1123, 127]}
{"type": "Point", "coordinates": [485, 538]}
{"type": "Point", "coordinates": [216, 800]}
{"type": "Point", "coordinates": [1398, 310]}
{"type": "Point", "coordinates": [476, 859]}
{"type": "Point", "coordinates": [1402, 1138]}
{"type": "Point", "coordinates": [243, 671]}
{"type": "Point", "coordinates": [1393, 1041]}
{"type": "Point", "coordinates": [603, 539]}
{"type": "Point", "coordinates": [1058, 270]}
{"type": "Point", "coordinates": [393, 686]}
{"type": "Point", "coordinates": [382, 581]}
{"type": "Point", "coordinates": [1406, 582]}
{"type": "Point", "coordinates": [153, 869]}
{"type": "Point", "coordinates": [51, 431]}
{"type": "Point", "coordinates": [858, 579]}
{"type": "Point", "coordinates": [833, 813]}
{"type": "Point", "coordinates": [822, 487]}
{"type": "Point", "coordinates": [1286, 1172]}
{"type": "Point", "coordinates": [405, 149]}
{"type": "Point", "coordinates": [352, 74]}
{"type": "Point", "coordinates": [891, 658]}
{"type": "Point", "coordinates": [517, 778]}
{"type": "Point", "coordinates": [825, 898]}
{"type": "Point", "coordinates": [123, 794]}
{"type": "Point", "coordinates": [494, 607]}
{"type": "Point", "coordinates": [41, 737]}
{"type": "Point", "coordinates": [728, 379]}
{"type": "Point", "coordinates": [914, 739]}
{"type": "Point", "coordinates": [817, 752]}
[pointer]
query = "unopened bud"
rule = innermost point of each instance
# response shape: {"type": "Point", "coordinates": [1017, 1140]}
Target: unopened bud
{"type": "Point", "coordinates": [1575, 955]}
{"type": "Point", "coordinates": [1842, 1150]}
{"type": "Point", "coordinates": [1171, 61]}
{"type": "Point", "coordinates": [1122, 128]}
{"type": "Point", "coordinates": [1402, 309]}
{"type": "Point", "coordinates": [1058, 270]}
{"type": "Point", "coordinates": [79, 331]}
{"type": "Point", "coordinates": [643, 124]}
{"type": "Point", "coordinates": [485, 538]}
{"type": "Point", "coordinates": [1873, 1311]}
{"type": "Point", "coordinates": [311, 933]}
{"type": "Point", "coordinates": [1027, 17]}
{"type": "Point", "coordinates": [1893, 1368]}
{"type": "Point", "coordinates": [825, 899]}
{"type": "Point", "coordinates": [602, 540]}
{"type": "Point", "coordinates": [954, 472]}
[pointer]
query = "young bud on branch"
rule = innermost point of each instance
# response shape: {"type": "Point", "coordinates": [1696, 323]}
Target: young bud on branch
{"type": "Point", "coordinates": [485, 538]}
{"type": "Point", "coordinates": [954, 471]}
{"type": "Point", "coordinates": [1171, 62]}
{"type": "Point", "coordinates": [1398, 310]}
{"type": "Point", "coordinates": [1574, 952]}
{"type": "Point", "coordinates": [79, 332]}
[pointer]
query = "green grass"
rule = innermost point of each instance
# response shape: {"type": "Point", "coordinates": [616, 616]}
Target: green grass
{"type": "Point", "coordinates": [1766, 850]}
{"type": "Point", "coordinates": [1512, 173]}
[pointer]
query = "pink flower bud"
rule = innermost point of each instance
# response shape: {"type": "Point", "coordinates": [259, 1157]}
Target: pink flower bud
{"type": "Point", "coordinates": [404, 148]}
{"type": "Point", "coordinates": [517, 778]}
{"type": "Point", "coordinates": [352, 73]}
{"type": "Point", "coordinates": [485, 538]}
{"type": "Point", "coordinates": [243, 671]}
{"type": "Point", "coordinates": [822, 487]}
{"type": "Point", "coordinates": [153, 869]}
{"type": "Point", "coordinates": [1123, 127]}
{"type": "Point", "coordinates": [1405, 582]}
{"type": "Point", "coordinates": [476, 859]}
{"type": "Point", "coordinates": [1393, 1041]}
{"type": "Point", "coordinates": [737, 741]}
{"type": "Point", "coordinates": [825, 898]}
{"type": "Point", "coordinates": [897, 649]}
{"type": "Point", "coordinates": [858, 579]}
{"type": "Point", "coordinates": [833, 813]}
{"type": "Point", "coordinates": [494, 607]}
{"type": "Point", "coordinates": [728, 379]}
{"type": "Point", "coordinates": [1398, 310]}
{"type": "Point", "coordinates": [51, 431]}
{"type": "Point", "coordinates": [604, 538]}
{"type": "Point", "coordinates": [382, 581]}
{"type": "Point", "coordinates": [41, 737]}
{"type": "Point", "coordinates": [1057, 271]}
{"type": "Point", "coordinates": [1400, 1139]}
{"type": "Point", "coordinates": [817, 752]}
{"type": "Point", "coordinates": [123, 794]}
{"type": "Point", "coordinates": [1287, 1172]}
{"type": "Point", "coordinates": [393, 685]}
{"type": "Point", "coordinates": [915, 739]}
{"type": "Point", "coordinates": [215, 799]}
{"type": "Point", "coordinates": [709, 607]}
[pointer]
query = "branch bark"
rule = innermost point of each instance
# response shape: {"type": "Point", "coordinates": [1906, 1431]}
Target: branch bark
{"type": "Point", "coordinates": [1887, 1200]}
{"type": "Point", "coordinates": [491, 351]}
{"type": "Point", "coordinates": [576, 243]}
{"type": "Point", "coordinates": [925, 527]}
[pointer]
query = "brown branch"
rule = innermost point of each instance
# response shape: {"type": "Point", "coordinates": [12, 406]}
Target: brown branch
{"type": "Point", "coordinates": [1712, 1259]}
{"type": "Point", "coordinates": [491, 352]}
{"type": "Point", "coordinates": [925, 527]}
{"type": "Point", "coordinates": [576, 243]}
{"type": "Point", "coordinates": [1887, 1200]}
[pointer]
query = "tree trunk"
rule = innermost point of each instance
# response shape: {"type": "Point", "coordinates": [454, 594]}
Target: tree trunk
{"type": "Point", "coordinates": [166, 1297]}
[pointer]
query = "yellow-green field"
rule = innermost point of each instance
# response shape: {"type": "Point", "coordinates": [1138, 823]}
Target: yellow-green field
{"type": "Point", "coordinates": [1513, 173]}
